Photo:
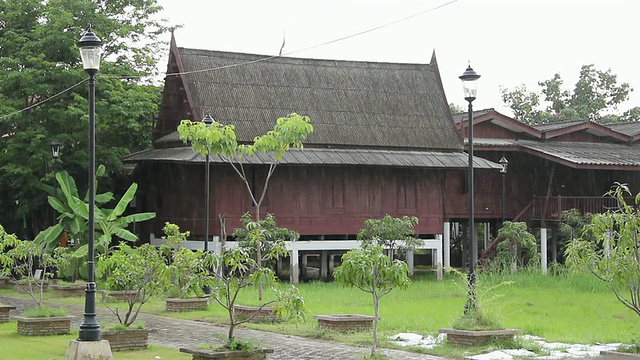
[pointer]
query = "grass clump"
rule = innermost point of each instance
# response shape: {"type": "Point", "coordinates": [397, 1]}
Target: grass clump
{"type": "Point", "coordinates": [477, 321]}
{"type": "Point", "coordinates": [134, 326]}
{"type": "Point", "coordinates": [633, 348]}
{"type": "Point", "coordinates": [44, 311]}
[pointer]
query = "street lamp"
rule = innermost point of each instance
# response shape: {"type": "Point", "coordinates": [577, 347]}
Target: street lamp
{"type": "Point", "coordinates": [207, 120]}
{"type": "Point", "coordinates": [504, 162]}
{"type": "Point", "coordinates": [55, 151]}
{"type": "Point", "coordinates": [469, 83]}
{"type": "Point", "coordinates": [90, 51]}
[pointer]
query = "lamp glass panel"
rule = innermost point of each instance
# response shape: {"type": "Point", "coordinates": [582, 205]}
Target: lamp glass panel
{"type": "Point", "coordinates": [91, 57]}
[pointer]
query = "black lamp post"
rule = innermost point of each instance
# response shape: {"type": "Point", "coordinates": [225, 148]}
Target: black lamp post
{"type": "Point", "coordinates": [90, 51]}
{"type": "Point", "coordinates": [207, 120]}
{"type": "Point", "coordinates": [469, 84]}
{"type": "Point", "coordinates": [55, 151]}
{"type": "Point", "coordinates": [504, 162]}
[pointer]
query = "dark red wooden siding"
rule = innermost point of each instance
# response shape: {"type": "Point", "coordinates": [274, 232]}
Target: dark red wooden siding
{"type": "Point", "coordinates": [310, 200]}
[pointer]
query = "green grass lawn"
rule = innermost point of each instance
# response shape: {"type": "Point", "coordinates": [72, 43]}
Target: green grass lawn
{"type": "Point", "coordinates": [572, 309]}
{"type": "Point", "coordinates": [15, 346]}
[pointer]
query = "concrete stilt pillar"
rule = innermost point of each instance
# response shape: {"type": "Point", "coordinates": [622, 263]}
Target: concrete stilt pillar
{"type": "Point", "coordinates": [294, 276]}
{"type": "Point", "coordinates": [332, 263]}
{"type": "Point", "coordinates": [543, 250]}
{"type": "Point", "coordinates": [279, 265]}
{"type": "Point", "coordinates": [324, 267]}
{"type": "Point", "coordinates": [303, 266]}
{"type": "Point", "coordinates": [446, 243]}
{"type": "Point", "coordinates": [438, 258]}
{"type": "Point", "coordinates": [410, 261]}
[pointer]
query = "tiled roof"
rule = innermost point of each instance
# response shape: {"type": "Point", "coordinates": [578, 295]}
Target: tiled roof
{"type": "Point", "coordinates": [363, 104]}
{"type": "Point", "coordinates": [321, 156]}
{"type": "Point", "coordinates": [585, 153]}
{"type": "Point", "coordinates": [558, 125]}
{"type": "Point", "coordinates": [628, 128]}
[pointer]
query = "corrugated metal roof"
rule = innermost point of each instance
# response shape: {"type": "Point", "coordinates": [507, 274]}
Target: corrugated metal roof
{"type": "Point", "coordinates": [352, 103]}
{"type": "Point", "coordinates": [584, 153]}
{"type": "Point", "coordinates": [318, 156]}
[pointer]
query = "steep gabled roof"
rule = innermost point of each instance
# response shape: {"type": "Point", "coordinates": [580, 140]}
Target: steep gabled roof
{"type": "Point", "coordinates": [350, 103]}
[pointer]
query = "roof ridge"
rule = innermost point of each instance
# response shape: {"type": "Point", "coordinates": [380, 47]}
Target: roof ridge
{"type": "Point", "coordinates": [267, 58]}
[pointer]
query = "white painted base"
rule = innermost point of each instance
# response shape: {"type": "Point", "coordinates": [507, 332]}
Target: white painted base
{"type": "Point", "coordinates": [89, 350]}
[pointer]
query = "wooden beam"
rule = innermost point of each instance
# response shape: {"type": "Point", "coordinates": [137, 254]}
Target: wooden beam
{"type": "Point", "coordinates": [548, 196]}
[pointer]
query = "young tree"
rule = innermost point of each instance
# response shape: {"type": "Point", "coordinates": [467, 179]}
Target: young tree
{"type": "Point", "coordinates": [220, 139]}
{"type": "Point", "coordinates": [141, 270]}
{"type": "Point", "coordinates": [610, 249]}
{"type": "Point", "coordinates": [22, 258]}
{"type": "Point", "coordinates": [270, 235]}
{"type": "Point", "coordinates": [391, 233]}
{"type": "Point", "coordinates": [241, 271]}
{"type": "Point", "coordinates": [371, 271]}
{"type": "Point", "coordinates": [515, 236]}
{"type": "Point", "coordinates": [595, 93]}
{"type": "Point", "coordinates": [43, 95]}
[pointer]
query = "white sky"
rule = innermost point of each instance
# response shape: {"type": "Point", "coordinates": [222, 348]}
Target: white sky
{"type": "Point", "coordinates": [508, 42]}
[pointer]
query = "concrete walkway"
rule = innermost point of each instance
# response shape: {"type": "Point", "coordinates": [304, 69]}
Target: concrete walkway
{"type": "Point", "coordinates": [176, 333]}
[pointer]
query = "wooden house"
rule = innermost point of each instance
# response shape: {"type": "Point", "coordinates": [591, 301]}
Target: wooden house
{"type": "Point", "coordinates": [384, 142]}
{"type": "Point", "coordinates": [553, 167]}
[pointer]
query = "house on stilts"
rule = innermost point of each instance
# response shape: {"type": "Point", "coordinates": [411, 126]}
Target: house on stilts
{"type": "Point", "coordinates": [384, 142]}
{"type": "Point", "coordinates": [552, 168]}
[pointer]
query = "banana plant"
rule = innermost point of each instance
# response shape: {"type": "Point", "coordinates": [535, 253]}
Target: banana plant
{"type": "Point", "coordinates": [74, 217]}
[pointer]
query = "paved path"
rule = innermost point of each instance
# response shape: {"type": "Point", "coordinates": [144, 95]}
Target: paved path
{"type": "Point", "coordinates": [177, 333]}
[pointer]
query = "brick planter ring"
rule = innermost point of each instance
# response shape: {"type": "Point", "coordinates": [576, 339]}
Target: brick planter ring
{"type": "Point", "coordinates": [59, 325]}
{"type": "Point", "coordinates": [35, 287]}
{"type": "Point", "coordinates": [190, 304]}
{"type": "Point", "coordinates": [119, 295]}
{"type": "Point", "coordinates": [68, 290]}
{"type": "Point", "coordinates": [4, 312]}
{"type": "Point", "coordinates": [266, 314]}
{"type": "Point", "coordinates": [459, 337]}
{"type": "Point", "coordinates": [344, 322]}
{"type": "Point", "coordinates": [128, 339]}
{"type": "Point", "coordinates": [4, 281]}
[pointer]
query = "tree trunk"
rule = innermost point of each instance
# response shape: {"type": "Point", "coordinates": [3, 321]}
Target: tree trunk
{"type": "Point", "coordinates": [259, 254]}
{"type": "Point", "coordinates": [232, 325]}
{"type": "Point", "coordinates": [374, 345]}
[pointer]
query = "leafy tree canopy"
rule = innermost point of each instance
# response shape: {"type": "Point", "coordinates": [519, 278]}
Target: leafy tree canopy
{"type": "Point", "coordinates": [43, 95]}
{"type": "Point", "coordinates": [595, 97]}
{"type": "Point", "coordinates": [391, 232]}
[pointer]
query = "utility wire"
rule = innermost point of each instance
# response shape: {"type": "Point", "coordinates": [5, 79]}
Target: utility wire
{"type": "Point", "coordinates": [318, 45]}
{"type": "Point", "coordinates": [43, 101]}
{"type": "Point", "coordinates": [245, 62]}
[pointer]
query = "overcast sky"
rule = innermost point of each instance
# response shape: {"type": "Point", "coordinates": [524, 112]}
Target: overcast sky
{"type": "Point", "coordinates": [508, 42]}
